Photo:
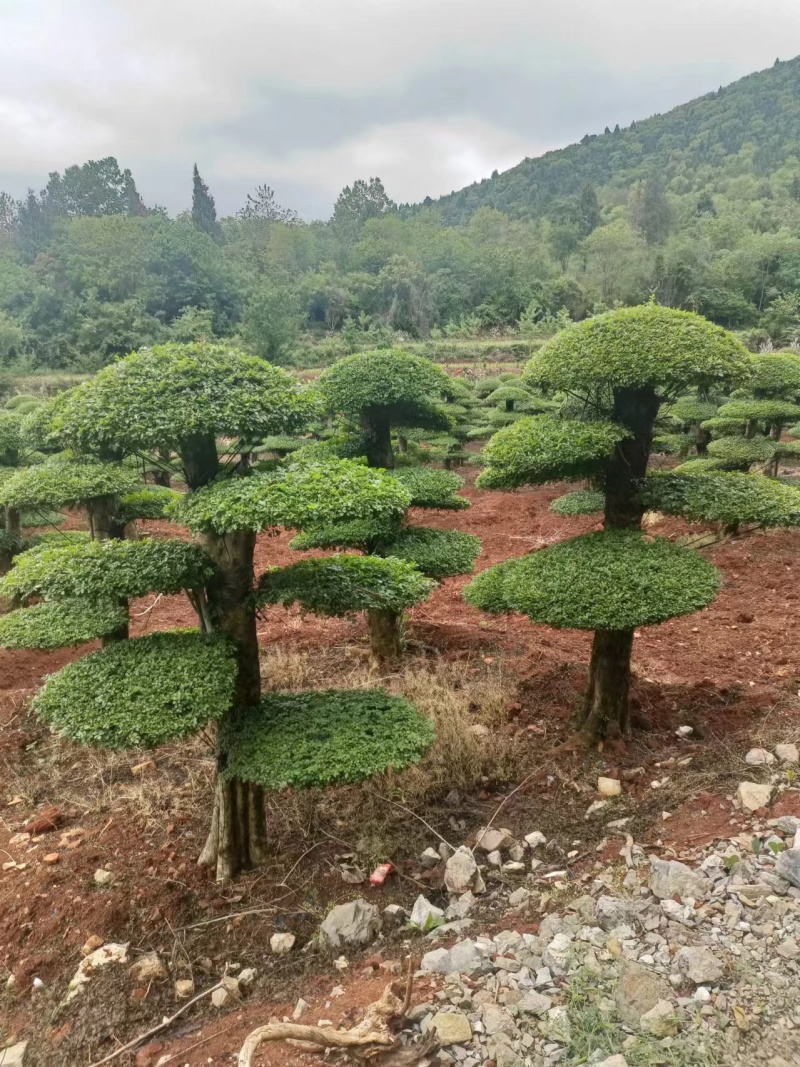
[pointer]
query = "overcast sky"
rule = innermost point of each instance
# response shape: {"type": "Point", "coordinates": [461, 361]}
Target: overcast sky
{"type": "Point", "coordinates": [308, 95]}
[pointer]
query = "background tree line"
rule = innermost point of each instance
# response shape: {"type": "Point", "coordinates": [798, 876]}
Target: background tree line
{"type": "Point", "coordinates": [700, 206]}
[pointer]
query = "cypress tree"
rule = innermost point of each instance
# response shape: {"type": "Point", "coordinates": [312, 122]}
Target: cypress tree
{"type": "Point", "coordinates": [204, 211]}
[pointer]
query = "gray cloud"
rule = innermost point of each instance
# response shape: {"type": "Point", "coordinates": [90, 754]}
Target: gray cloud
{"type": "Point", "coordinates": [309, 95]}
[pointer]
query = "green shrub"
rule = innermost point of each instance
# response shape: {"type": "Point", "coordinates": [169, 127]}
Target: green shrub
{"type": "Point", "coordinates": [14, 402]}
{"type": "Point", "coordinates": [759, 410]}
{"type": "Point", "coordinates": [724, 497]}
{"type": "Point", "coordinates": [690, 409]}
{"type": "Point", "coordinates": [673, 444]}
{"type": "Point", "coordinates": [359, 533]}
{"type": "Point", "coordinates": [142, 692]}
{"type": "Point", "coordinates": [741, 451]}
{"type": "Point", "coordinates": [339, 585]}
{"type": "Point", "coordinates": [613, 580]}
{"type": "Point", "coordinates": [327, 737]}
{"type": "Point", "coordinates": [106, 570]}
{"type": "Point", "coordinates": [58, 624]}
{"type": "Point", "coordinates": [404, 384]}
{"type": "Point", "coordinates": [432, 488]}
{"type": "Point", "coordinates": [582, 502]}
{"type": "Point", "coordinates": [30, 517]}
{"type": "Point", "coordinates": [541, 448]}
{"type": "Point", "coordinates": [436, 553]}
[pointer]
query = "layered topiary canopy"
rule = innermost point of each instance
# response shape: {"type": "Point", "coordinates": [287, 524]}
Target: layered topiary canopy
{"type": "Point", "coordinates": [164, 396]}
{"type": "Point", "coordinates": [724, 497]}
{"type": "Point", "coordinates": [581, 502]}
{"type": "Point", "coordinates": [759, 410]}
{"type": "Point", "coordinates": [10, 436]}
{"type": "Point", "coordinates": [142, 692]}
{"type": "Point", "coordinates": [775, 374]}
{"type": "Point", "coordinates": [541, 448]}
{"type": "Point", "coordinates": [614, 580]}
{"type": "Point", "coordinates": [691, 409]}
{"type": "Point", "coordinates": [405, 386]}
{"type": "Point", "coordinates": [106, 570]}
{"type": "Point", "coordinates": [305, 496]}
{"type": "Point", "coordinates": [63, 481]}
{"type": "Point", "coordinates": [342, 584]}
{"type": "Point", "coordinates": [326, 737]}
{"type": "Point", "coordinates": [741, 451]}
{"type": "Point", "coordinates": [61, 623]}
{"type": "Point", "coordinates": [640, 347]}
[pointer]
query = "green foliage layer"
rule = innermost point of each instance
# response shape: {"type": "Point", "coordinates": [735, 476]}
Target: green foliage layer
{"type": "Point", "coordinates": [328, 737]}
{"type": "Point", "coordinates": [106, 570]}
{"type": "Point", "coordinates": [148, 502]}
{"type": "Point", "coordinates": [310, 495]}
{"type": "Point", "coordinates": [726, 498]}
{"type": "Point", "coordinates": [164, 396]}
{"type": "Point", "coordinates": [339, 585]}
{"type": "Point", "coordinates": [540, 448]}
{"type": "Point", "coordinates": [648, 346]}
{"type": "Point", "coordinates": [62, 482]}
{"type": "Point", "coordinates": [613, 580]}
{"type": "Point", "coordinates": [741, 451]}
{"type": "Point", "coordinates": [394, 380]}
{"type": "Point", "coordinates": [759, 410]}
{"type": "Point", "coordinates": [582, 502]}
{"type": "Point", "coordinates": [57, 624]}
{"type": "Point", "coordinates": [142, 692]}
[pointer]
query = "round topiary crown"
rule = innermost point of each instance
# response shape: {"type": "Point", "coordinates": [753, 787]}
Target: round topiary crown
{"type": "Point", "coordinates": [405, 386]}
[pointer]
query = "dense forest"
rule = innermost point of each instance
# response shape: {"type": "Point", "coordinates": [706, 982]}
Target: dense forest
{"type": "Point", "coordinates": [700, 207]}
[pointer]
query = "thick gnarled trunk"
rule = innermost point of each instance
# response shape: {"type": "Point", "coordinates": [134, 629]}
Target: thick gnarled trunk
{"type": "Point", "coordinates": [104, 519]}
{"type": "Point", "coordinates": [237, 839]}
{"type": "Point", "coordinates": [385, 629]}
{"type": "Point", "coordinates": [377, 433]}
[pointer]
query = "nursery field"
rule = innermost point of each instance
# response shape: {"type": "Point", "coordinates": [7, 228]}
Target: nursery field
{"type": "Point", "coordinates": [731, 672]}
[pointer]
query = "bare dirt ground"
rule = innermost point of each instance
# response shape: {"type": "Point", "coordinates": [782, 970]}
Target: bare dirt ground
{"type": "Point", "coordinates": [732, 672]}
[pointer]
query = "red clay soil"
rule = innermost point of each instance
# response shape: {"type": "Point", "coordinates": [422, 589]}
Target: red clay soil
{"type": "Point", "coordinates": [732, 672]}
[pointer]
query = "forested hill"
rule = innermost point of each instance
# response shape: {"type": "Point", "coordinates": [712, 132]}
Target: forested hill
{"type": "Point", "coordinates": [751, 126]}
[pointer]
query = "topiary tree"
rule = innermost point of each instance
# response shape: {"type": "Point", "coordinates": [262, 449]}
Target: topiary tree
{"type": "Point", "coordinates": [437, 554]}
{"type": "Point", "coordinates": [182, 399]}
{"type": "Point", "coordinates": [381, 390]}
{"type": "Point", "coordinates": [620, 367]}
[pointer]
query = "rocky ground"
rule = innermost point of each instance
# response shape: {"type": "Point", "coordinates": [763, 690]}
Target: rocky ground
{"type": "Point", "coordinates": [640, 958]}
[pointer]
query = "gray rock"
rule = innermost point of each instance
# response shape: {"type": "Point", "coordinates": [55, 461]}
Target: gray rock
{"type": "Point", "coordinates": [451, 1028]}
{"type": "Point", "coordinates": [668, 878]}
{"type": "Point", "coordinates": [614, 1061]}
{"type": "Point", "coordinates": [611, 912]}
{"type": "Point", "coordinates": [491, 839]}
{"type": "Point", "coordinates": [148, 968]}
{"type": "Point", "coordinates": [460, 908]}
{"type": "Point", "coordinates": [13, 1055]}
{"type": "Point", "coordinates": [467, 958]}
{"type": "Point", "coordinates": [425, 915]}
{"type": "Point", "coordinates": [759, 757]}
{"type": "Point", "coordinates": [535, 839]}
{"type": "Point", "coordinates": [282, 943]}
{"type": "Point", "coordinates": [699, 965]}
{"type": "Point", "coordinates": [638, 991]}
{"type": "Point", "coordinates": [788, 866]}
{"type": "Point", "coordinates": [436, 961]}
{"type": "Point", "coordinates": [788, 824]}
{"type": "Point", "coordinates": [496, 1020]}
{"type": "Point", "coordinates": [558, 953]}
{"type": "Point", "coordinates": [519, 897]}
{"type": "Point", "coordinates": [753, 795]}
{"type": "Point", "coordinates": [461, 873]}
{"type": "Point", "coordinates": [787, 753]}
{"type": "Point", "coordinates": [354, 923]}
{"type": "Point", "coordinates": [534, 1003]}
{"type": "Point", "coordinates": [661, 1021]}
{"type": "Point", "coordinates": [788, 949]}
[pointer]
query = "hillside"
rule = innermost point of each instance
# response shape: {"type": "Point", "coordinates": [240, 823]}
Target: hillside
{"type": "Point", "coordinates": [750, 126]}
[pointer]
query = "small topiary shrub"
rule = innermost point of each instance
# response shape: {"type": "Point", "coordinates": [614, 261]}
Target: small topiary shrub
{"type": "Point", "coordinates": [342, 584]}
{"type": "Point", "coordinates": [432, 488]}
{"type": "Point", "coordinates": [438, 554]}
{"type": "Point", "coordinates": [326, 737]}
{"type": "Point", "coordinates": [147, 502]}
{"type": "Point", "coordinates": [740, 453]}
{"type": "Point", "coordinates": [730, 499]}
{"type": "Point", "coordinates": [61, 482]}
{"type": "Point", "coordinates": [142, 692]}
{"type": "Point", "coordinates": [59, 624]}
{"type": "Point", "coordinates": [581, 502]}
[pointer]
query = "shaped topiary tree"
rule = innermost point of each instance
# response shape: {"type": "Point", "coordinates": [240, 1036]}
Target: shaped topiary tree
{"type": "Point", "coordinates": [622, 366]}
{"type": "Point", "coordinates": [437, 554]}
{"type": "Point", "coordinates": [181, 399]}
{"type": "Point", "coordinates": [382, 390]}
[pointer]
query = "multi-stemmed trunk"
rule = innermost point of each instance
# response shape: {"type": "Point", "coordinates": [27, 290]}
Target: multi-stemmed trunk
{"type": "Point", "coordinates": [106, 525]}
{"type": "Point", "coordinates": [605, 709]}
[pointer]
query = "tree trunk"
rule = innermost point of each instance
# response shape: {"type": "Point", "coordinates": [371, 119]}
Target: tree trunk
{"type": "Point", "coordinates": [13, 531]}
{"type": "Point", "coordinates": [635, 409]}
{"type": "Point", "coordinates": [237, 839]}
{"type": "Point", "coordinates": [385, 630]}
{"type": "Point", "coordinates": [702, 440]}
{"type": "Point", "coordinates": [377, 431]}
{"type": "Point", "coordinates": [402, 443]}
{"type": "Point", "coordinates": [104, 518]}
{"type": "Point", "coordinates": [605, 710]}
